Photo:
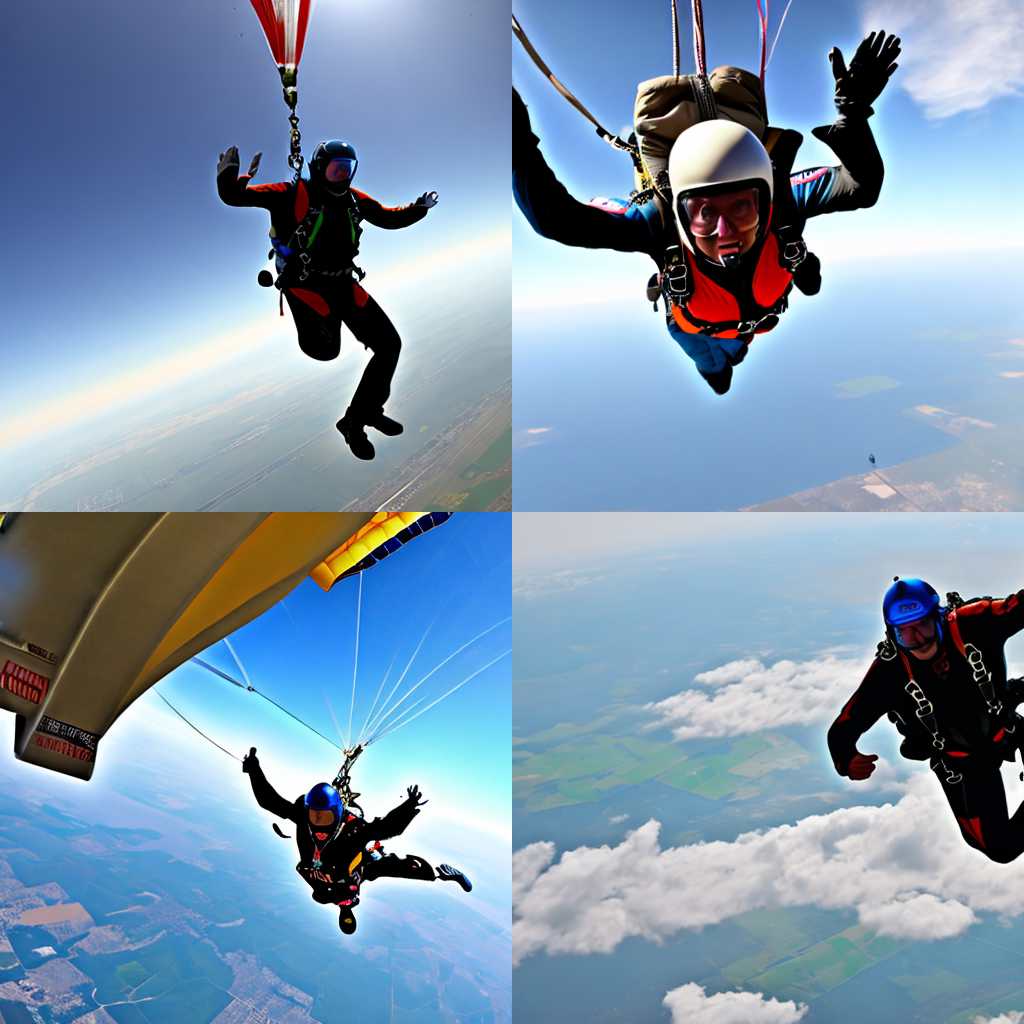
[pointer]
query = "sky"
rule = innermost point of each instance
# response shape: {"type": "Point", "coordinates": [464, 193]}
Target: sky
{"type": "Point", "coordinates": [881, 851]}
{"type": "Point", "coordinates": [451, 584]}
{"type": "Point", "coordinates": [149, 281]}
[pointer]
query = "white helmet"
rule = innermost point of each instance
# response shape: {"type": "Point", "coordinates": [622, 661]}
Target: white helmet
{"type": "Point", "coordinates": [717, 156]}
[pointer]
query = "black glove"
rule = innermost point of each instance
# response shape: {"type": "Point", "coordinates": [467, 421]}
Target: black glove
{"type": "Point", "coordinates": [415, 796]}
{"type": "Point", "coordinates": [229, 162]}
{"type": "Point", "coordinates": [522, 133]}
{"type": "Point", "coordinates": [428, 199]}
{"type": "Point", "coordinates": [250, 761]}
{"type": "Point", "coordinates": [860, 84]}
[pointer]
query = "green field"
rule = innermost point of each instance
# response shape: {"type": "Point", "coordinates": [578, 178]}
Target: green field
{"type": "Point", "coordinates": [497, 456]}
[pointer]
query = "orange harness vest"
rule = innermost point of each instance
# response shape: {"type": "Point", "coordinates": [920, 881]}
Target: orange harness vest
{"type": "Point", "coordinates": [713, 310]}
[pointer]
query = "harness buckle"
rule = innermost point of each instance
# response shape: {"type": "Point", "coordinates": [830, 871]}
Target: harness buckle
{"type": "Point", "coordinates": [749, 326]}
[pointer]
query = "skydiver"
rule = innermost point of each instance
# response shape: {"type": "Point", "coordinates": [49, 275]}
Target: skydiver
{"type": "Point", "coordinates": [735, 285]}
{"type": "Point", "coordinates": [333, 855]}
{"type": "Point", "coordinates": [315, 229]}
{"type": "Point", "coordinates": [940, 676]}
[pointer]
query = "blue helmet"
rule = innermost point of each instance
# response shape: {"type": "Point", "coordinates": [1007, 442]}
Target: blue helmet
{"type": "Point", "coordinates": [324, 797]}
{"type": "Point", "coordinates": [907, 601]}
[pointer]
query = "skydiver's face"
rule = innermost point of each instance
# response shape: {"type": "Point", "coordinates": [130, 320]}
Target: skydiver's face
{"type": "Point", "coordinates": [921, 638]}
{"type": "Point", "coordinates": [725, 224]}
{"type": "Point", "coordinates": [321, 819]}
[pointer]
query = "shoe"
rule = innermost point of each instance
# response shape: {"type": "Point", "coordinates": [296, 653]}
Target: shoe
{"type": "Point", "coordinates": [356, 439]}
{"type": "Point", "coordinates": [446, 873]}
{"type": "Point", "coordinates": [346, 920]}
{"type": "Point", "coordinates": [385, 424]}
{"type": "Point", "coordinates": [720, 381]}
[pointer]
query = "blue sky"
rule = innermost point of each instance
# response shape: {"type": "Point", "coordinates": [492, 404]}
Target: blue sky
{"type": "Point", "coordinates": [127, 268]}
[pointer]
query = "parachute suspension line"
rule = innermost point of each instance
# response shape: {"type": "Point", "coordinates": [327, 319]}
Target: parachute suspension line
{"type": "Point", "coordinates": [437, 668]}
{"type": "Point", "coordinates": [395, 726]}
{"type": "Point", "coordinates": [370, 722]}
{"type": "Point", "coordinates": [252, 689]}
{"type": "Point", "coordinates": [196, 728]}
{"type": "Point", "coordinates": [675, 39]}
{"type": "Point", "coordinates": [762, 17]}
{"type": "Point", "coordinates": [355, 663]}
{"type": "Point", "coordinates": [334, 719]}
{"type": "Point", "coordinates": [778, 32]}
{"type": "Point", "coordinates": [611, 139]}
{"type": "Point", "coordinates": [380, 690]}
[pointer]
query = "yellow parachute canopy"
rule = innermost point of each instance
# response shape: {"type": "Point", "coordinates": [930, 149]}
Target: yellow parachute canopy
{"type": "Point", "coordinates": [95, 609]}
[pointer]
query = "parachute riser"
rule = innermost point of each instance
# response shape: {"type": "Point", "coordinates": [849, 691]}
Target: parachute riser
{"type": "Point", "coordinates": [343, 780]}
{"type": "Point", "coordinates": [290, 92]}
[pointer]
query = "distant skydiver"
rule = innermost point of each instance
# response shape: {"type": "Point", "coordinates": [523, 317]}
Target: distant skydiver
{"type": "Point", "coordinates": [333, 855]}
{"type": "Point", "coordinates": [727, 243]}
{"type": "Point", "coordinates": [315, 229]}
{"type": "Point", "coordinates": [940, 676]}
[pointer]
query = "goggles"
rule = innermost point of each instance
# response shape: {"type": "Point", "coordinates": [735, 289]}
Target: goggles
{"type": "Point", "coordinates": [913, 636]}
{"type": "Point", "coordinates": [714, 215]}
{"type": "Point", "coordinates": [340, 170]}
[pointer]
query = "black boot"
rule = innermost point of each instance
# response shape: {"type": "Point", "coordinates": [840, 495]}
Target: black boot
{"type": "Point", "coordinates": [346, 920]}
{"type": "Point", "coordinates": [446, 873]}
{"type": "Point", "coordinates": [720, 382]}
{"type": "Point", "coordinates": [385, 424]}
{"type": "Point", "coordinates": [354, 433]}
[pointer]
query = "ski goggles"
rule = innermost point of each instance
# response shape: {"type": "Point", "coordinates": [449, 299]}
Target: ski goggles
{"type": "Point", "coordinates": [709, 216]}
{"type": "Point", "coordinates": [340, 170]}
{"type": "Point", "coordinates": [913, 636]}
{"type": "Point", "coordinates": [322, 819]}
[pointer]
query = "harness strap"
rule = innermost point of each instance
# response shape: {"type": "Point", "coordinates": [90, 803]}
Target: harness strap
{"type": "Point", "coordinates": [609, 137]}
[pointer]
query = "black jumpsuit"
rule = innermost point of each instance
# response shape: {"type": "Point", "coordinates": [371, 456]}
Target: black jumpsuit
{"type": "Point", "coordinates": [968, 768]}
{"type": "Point", "coordinates": [343, 861]}
{"type": "Point", "coordinates": [330, 296]}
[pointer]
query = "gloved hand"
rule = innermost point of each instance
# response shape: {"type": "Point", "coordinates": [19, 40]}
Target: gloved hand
{"type": "Point", "coordinates": [428, 199]}
{"type": "Point", "coordinates": [250, 761]}
{"type": "Point", "coordinates": [860, 84]}
{"type": "Point", "coordinates": [229, 161]}
{"type": "Point", "coordinates": [415, 796]}
{"type": "Point", "coordinates": [862, 766]}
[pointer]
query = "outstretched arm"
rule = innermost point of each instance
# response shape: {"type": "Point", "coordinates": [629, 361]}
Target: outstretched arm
{"type": "Point", "coordinates": [234, 188]}
{"type": "Point", "coordinates": [857, 181]}
{"type": "Point", "coordinates": [395, 822]}
{"type": "Point", "coordinates": [1002, 617]}
{"type": "Point", "coordinates": [381, 216]}
{"type": "Point", "coordinates": [553, 212]}
{"type": "Point", "coordinates": [266, 796]}
{"type": "Point", "coordinates": [859, 713]}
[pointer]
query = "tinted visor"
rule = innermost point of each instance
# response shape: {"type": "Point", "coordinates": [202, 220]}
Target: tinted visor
{"type": "Point", "coordinates": [914, 636]}
{"type": "Point", "coordinates": [321, 819]}
{"type": "Point", "coordinates": [341, 170]}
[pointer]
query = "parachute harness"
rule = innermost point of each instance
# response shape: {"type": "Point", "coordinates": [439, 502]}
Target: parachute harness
{"type": "Point", "coordinates": [925, 710]}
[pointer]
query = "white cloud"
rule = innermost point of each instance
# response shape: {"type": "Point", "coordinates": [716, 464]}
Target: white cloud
{"type": "Point", "coordinates": [902, 867]}
{"type": "Point", "coordinates": [691, 1005]}
{"type": "Point", "coordinates": [1011, 1017]}
{"type": "Point", "coordinates": [956, 56]}
{"type": "Point", "coordinates": [750, 697]}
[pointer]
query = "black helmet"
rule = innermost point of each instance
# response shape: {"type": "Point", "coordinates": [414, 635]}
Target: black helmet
{"type": "Point", "coordinates": [333, 165]}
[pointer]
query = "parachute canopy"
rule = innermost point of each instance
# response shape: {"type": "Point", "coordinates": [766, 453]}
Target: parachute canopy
{"type": "Point", "coordinates": [95, 609]}
{"type": "Point", "coordinates": [284, 24]}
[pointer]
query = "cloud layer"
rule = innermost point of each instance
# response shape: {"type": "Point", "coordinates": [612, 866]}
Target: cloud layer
{"type": "Point", "coordinates": [690, 1004]}
{"type": "Point", "coordinates": [902, 867]}
{"type": "Point", "coordinates": [956, 56]}
{"type": "Point", "coordinates": [748, 696]}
